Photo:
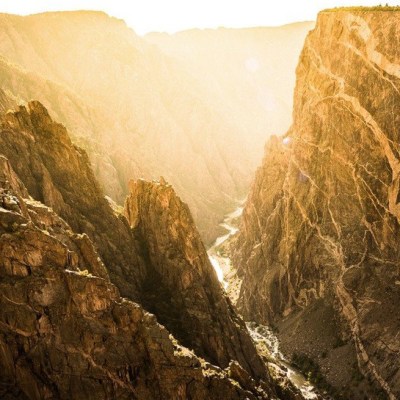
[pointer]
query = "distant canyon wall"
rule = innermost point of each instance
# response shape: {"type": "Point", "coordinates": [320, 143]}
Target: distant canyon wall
{"type": "Point", "coordinates": [143, 110]}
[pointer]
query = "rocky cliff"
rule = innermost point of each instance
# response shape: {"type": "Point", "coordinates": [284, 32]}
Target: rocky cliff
{"type": "Point", "coordinates": [181, 286]}
{"type": "Point", "coordinates": [58, 174]}
{"type": "Point", "coordinates": [318, 247]}
{"type": "Point", "coordinates": [65, 331]}
{"type": "Point", "coordinates": [68, 255]}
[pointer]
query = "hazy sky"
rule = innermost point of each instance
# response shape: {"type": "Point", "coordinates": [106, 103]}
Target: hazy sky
{"type": "Point", "coordinates": [174, 15]}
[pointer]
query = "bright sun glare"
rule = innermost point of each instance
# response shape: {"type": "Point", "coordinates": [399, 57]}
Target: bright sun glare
{"type": "Point", "coordinates": [175, 15]}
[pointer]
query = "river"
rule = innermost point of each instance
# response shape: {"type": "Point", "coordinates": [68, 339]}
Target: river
{"type": "Point", "coordinates": [263, 336]}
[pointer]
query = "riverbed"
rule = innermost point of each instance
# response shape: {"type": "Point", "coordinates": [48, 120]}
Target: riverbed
{"type": "Point", "coordinates": [263, 336]}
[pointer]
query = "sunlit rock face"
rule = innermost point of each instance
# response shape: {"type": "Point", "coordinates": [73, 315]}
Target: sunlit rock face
{"type": "Point", "coordinates": [67, 254]}
{"type": "Point", "coordinates": [141, 111]}
{"type": "Point", "coordinates": [65, 331]}
{"type": "Point", "coordinates": [318, 247]}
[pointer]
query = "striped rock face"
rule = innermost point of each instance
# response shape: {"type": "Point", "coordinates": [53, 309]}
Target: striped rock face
{"type": "Point", "coordinates": [318, 247]}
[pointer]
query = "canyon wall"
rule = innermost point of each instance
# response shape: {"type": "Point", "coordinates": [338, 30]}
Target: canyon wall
{"type": "Point", "coordinates": [65, 331]}
{"type": "Point", "coordinates": [318, 247]}
{"type": "Point", "coordinates": [142, 112]}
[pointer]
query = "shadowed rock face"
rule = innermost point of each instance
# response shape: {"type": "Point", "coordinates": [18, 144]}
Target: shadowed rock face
{"type": "Point", "coordinates": [59, 174]}
{"type": "Point", "coordinates": [320, 228]}
{"type": "Point", "coordinates": [181, 286]}
{"type": "Point", "coordinates": [65, 331]}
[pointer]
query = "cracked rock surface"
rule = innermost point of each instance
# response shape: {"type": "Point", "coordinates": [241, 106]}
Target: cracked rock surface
{"type": "Point", "coordinates": [182, 288]}
{"type": "Point", "coordinates": [77, 282]}
{"type": "Point", "coordinates": [319, 237]}
{"type": "Point", "coordinates": [66, 333]}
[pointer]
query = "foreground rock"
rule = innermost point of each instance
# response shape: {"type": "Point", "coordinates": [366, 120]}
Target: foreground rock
{"type": "Point", "coordinates": [66, 333]}
{"type": "Point", "coordinates": [181, 286]}
{"type": "Point", "coordinates": [67, 255]}
{"type": "Point", "coordinates": [319, 247]}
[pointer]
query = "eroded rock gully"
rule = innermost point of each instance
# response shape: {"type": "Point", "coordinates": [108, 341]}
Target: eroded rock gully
{"type": "Point", "coordinates": [67, 256]}
{"type": "Point", "coordinates": [318, 248]}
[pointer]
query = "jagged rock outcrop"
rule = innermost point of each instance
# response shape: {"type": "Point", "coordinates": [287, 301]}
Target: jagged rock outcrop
{"type": "Point", "coordinates": [65, 331]}
{"type": "Point", "coordinates": [58, 174]}
{"type": "Point", "coordinates": [319, 247]}
{"type": "Point", "coordinates": [69, 263]}
{"type": "Point", "coordinates": [181, 286]}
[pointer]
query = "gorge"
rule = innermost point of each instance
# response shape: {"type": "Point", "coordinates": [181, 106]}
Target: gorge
{"type": "Point", "coordinates": [136, 263]}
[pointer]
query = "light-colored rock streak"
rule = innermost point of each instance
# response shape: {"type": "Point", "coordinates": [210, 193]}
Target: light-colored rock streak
{"type": "Point", "coordinates": [335, 249]}
{"type": "Point", "coordinates": [364, 115]}
{"type": "Point", "coordinates": [359, 25]}
{"type": "Point", "coordinates": [349, 311]}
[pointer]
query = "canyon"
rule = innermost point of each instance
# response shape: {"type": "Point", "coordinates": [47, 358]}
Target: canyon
{"type": "Point", "coordinates": [79, 274]}
{"type": "Point", "coordinates": [139, 256]}
{"type": "Point", "coordinates": [141, 110]}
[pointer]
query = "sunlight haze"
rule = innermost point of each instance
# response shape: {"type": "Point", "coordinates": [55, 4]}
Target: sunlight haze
{"type": "Point", "coordinates": [176, 15]}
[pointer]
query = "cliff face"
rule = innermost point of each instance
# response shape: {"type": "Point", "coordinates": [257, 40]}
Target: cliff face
{"type": "Point", "coordinates": [65, 331]}
{"type": "Point", "coordinates": [59, 174]}
{"type": "Point", "coordinates": [320, 227]}
{"type": "Point", "coordinates": [181, 286]}
{"type": "Point", "coordinates": [66, 257]}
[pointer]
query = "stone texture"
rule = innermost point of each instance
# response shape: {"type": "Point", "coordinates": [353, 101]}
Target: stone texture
{"type": "Point", "coordinates": [181, 286]}
{"type": "Point", "coordinates": [66, 333]}
{"type": "Point", "coordinates": [320, 226]}
{"type": "Point", "coordinates": [67, 253]}
{"type": "Point", "coordinates": [59, 174]}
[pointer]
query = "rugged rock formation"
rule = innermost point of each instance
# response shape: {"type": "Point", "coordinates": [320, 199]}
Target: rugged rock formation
{"type": "Point", "coordinates": [58, 174]}
{"type": "Point", "coordinates": [66, 333]}
{"type": "Point", "coordinates": [141, 113]}
{"type": "Point", "coordinates": [319, 247]}
{"type": "Point", "coordinates": [181, 286]}
{"type": "Point", "coordinates": [62, 270]}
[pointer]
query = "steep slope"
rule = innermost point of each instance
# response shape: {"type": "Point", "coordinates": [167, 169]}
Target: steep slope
{"type": "Point", "coordinates": [181, 286]}
{"type": "Point", "coordinates": [143, 111]}
{"type": "Point", "coordinates": [87, 125]}
{"type": "Point", "coordinates": [66, 333]}
{"type": "Point", "coordinates": [318, 247]}
{"type": "Point", "coordinates": [58, 174]}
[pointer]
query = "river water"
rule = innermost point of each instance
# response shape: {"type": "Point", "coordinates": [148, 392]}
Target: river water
{"type": "Point", "coordinates": [263, 336]}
